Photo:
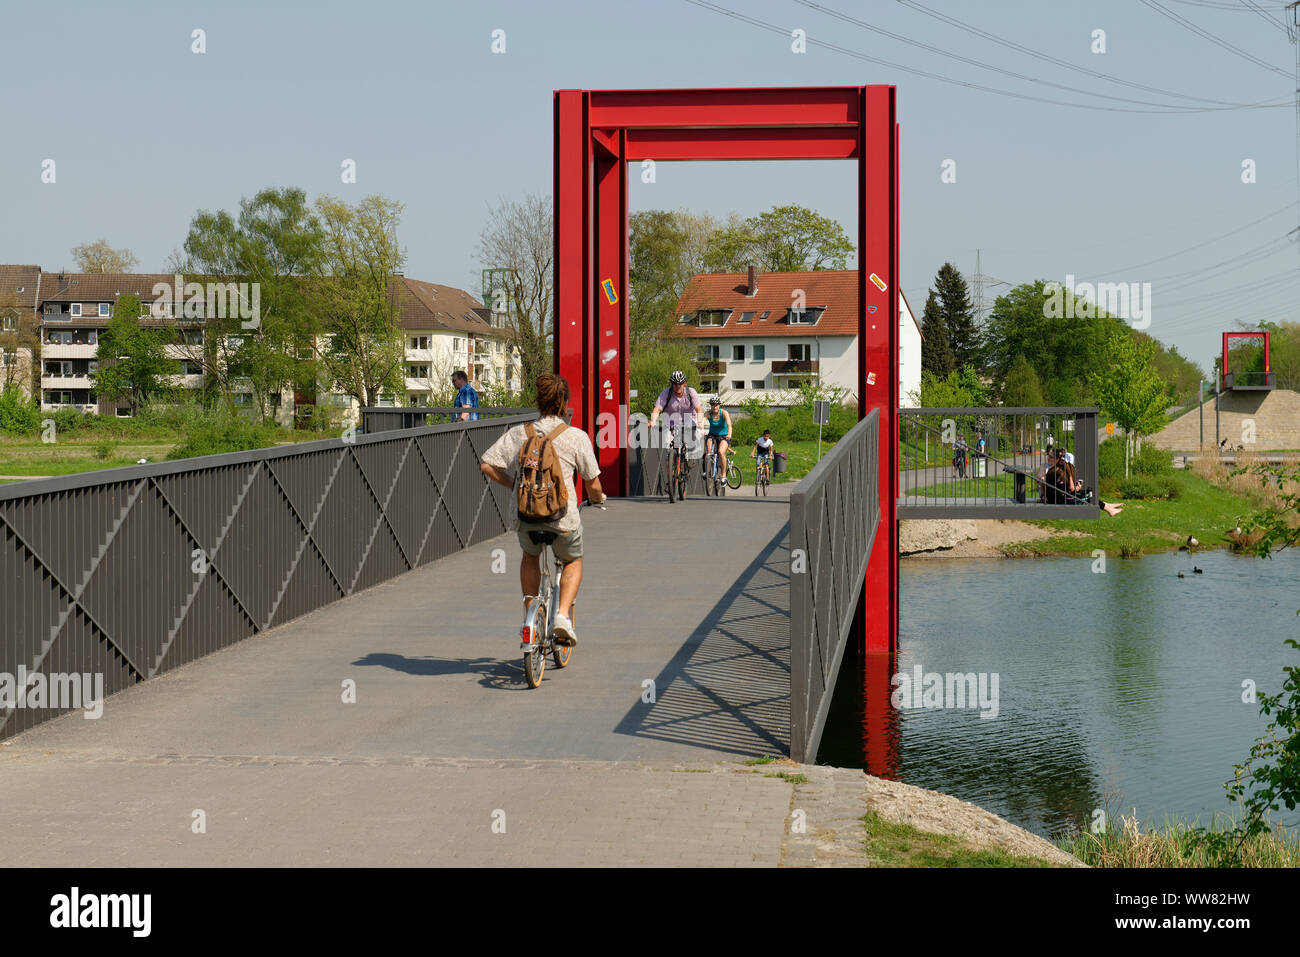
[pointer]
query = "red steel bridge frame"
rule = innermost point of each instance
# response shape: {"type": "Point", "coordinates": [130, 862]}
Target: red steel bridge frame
{"type": "Point", "coordinates": [1227, 341]}
{"type": "Point", "coordinates": [599, 132]}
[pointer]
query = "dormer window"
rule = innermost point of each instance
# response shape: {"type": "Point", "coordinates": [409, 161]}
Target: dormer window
{"type": "Point", "coordinates": [807, 316]}
{"type": "Point", "coordinates": [712, 318]}
{"type": "Point", "coordinates": [103, 310]}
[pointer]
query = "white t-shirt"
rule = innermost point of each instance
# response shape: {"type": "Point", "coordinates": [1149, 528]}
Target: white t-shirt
{"type": "Point", "coordinates": [573, 448]}
{"type": "Point", "coordinates": [764, 445]}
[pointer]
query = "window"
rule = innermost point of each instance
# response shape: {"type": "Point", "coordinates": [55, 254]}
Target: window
{"type": "Point", "coordinates": [799, 352]}
{"type": "Point", "coordinates": [757, 384]}
{"type": "Point", "coordinates": [273, 400]}
{"type": "Point", "coordinates": [124, 412]}
{"type": "Point", "coordinates": [760, 353]}
{"type": "Point", "coordinates": [805, 317]}
{"type": "Point", "coordinates": [763, 316]}
{"type": "Point", "coordinates": [738, 353]}
{"type": "Point", "coordinates": [746, 317]}
{"type": "Point", "coordinates": [8, 357]}
{"type": "Point", "coordinates": [709, 352]}
{"type": "Point", "coordinates": [104, 309]}
{"type": "Point", "coordinates": [145, 310]}
{"type": "Point", "coordinates": [92, 367]}
{"type": "Point", "coordinates": [417, 372]}
{"type": "Point", "coordinates": [92, 337]}
{"type": "Point", "coordinates": [737, 383]}
{"type": "Point", "coordinates": [713, 317]}
{"type": "Point", "coordinates": [76, 309]}
{"type": "Point", "coordinates": [457, 344]}
{"type": "Point", "coordinates": [8, 323]}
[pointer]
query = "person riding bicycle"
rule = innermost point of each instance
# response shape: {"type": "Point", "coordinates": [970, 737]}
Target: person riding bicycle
{"type": "Point", "coordinates": [680, 404]}
{"type": "Point", "coordinates": [719, 422]}
{"type": "Point", "coordinates": [763, 449]}
{"type": "Point", "coordinates": [574, 450]}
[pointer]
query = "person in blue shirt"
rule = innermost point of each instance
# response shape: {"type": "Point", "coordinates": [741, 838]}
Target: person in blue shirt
{"type": "Point", "coordinates": [466, 397]}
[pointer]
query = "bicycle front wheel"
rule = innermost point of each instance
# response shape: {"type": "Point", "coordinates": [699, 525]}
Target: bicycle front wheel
{"type": "Point", "coordinates": [733, 476]}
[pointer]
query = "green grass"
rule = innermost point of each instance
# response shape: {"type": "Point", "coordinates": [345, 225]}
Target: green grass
{"type": "Point", "coordinates": [994, 486]}
{"type": "Point", "coordinates": [1124, 844]}
{"type": "Point", "coordinates": [901, 845]}
{"type": "Point", "coordinates": [765, 759]}
{"type": "Point", "coordinates": [789, 777]}
{"type": "Point", "coordinates": [1202, 509]}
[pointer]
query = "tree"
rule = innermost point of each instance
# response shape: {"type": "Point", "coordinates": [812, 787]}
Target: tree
{"type": "Point", "coordinates": [133, 360]}
{"type": "Point", "coordinates": [936, 356]}
{"type": "Point", "coordinates": [20, 338]}
{"type": "Point", "coordinates": [1130, 390]}
{"type": "Point", "coordinates": [958, 316]}
{"type": "Point", "coordinates": [99, 256]}
{"type": "Point", "coordinates": [275, 242]}
{"type": "Point", "coordinates": [650, 367]}
{"type": "Point", "coordinates": [1022, 388]}
{"type": "Point", "coordinates": [519, 236]}
{"type": "Point", "coordinates": [359, 295]}
{"type": "Point", "coordinates": [783, 239]}
{"type": "Point", "coordinates": [665, 249]}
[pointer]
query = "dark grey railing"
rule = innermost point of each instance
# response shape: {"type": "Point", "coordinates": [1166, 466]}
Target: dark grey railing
{"type": "Point", "coordinates": [130, 572]}
{"type": "Point", "coordinates": [834, 517]}
{"type": "Point", "coordinates": [386, 418]}
{"type": "Point", "coordinates": [938, 478]}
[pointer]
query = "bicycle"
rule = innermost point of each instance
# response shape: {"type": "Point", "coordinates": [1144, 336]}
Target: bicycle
{"type": "Point", "coordinates": [713, 474]}
{"type": "Point", "coordinates": [677, 466]}
{"type": "Point", "coordinates": [762, 474]}
{"type": "Point", "coordinates": [537, 636]}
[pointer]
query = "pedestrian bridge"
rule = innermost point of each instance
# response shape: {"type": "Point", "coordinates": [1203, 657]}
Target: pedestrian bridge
{"type": "Point", "coordinates": [382, 564]}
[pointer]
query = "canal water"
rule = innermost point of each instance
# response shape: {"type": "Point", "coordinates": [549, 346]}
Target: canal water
{"type": "Point", "coordinates": [1119, 690]}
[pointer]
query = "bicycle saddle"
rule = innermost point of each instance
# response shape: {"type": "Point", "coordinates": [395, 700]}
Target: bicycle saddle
{"type": "Point", "coordinates": [543, 538]}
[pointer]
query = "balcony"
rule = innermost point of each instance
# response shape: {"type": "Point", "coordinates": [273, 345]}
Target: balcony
{"type": "Point", "coordinates": [1250, 381]}
{"type": "Point", "coordinates": [711, 368]}
{"type": "Point", "coordinates": [54, 381]}
{"type": "Point", "coordinates": [795, 366]}
{"type": "Point", "coordinates": [69, 350]}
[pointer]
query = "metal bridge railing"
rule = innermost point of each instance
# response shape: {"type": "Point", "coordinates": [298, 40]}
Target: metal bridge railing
{"type": "Point", "coordinates": [130, 572]}
{"type": "Point", "coordinates": [944, 473]}
{"type": "Point", "coordinates": [834, 517]}
{"type": "Point", "coordinates": [386, 418]}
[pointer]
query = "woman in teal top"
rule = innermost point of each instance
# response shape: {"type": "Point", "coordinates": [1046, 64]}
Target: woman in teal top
{"type": "Point", "coordinates": [719, 420]}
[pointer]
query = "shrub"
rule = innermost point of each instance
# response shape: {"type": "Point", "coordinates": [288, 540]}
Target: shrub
{"type": "Point", "coordinates": [68, 420]}
{"type": "Point", "coordinates": [105, 449]}
{"type": "Point", "coordinates": [1152, 461]}
{"type": "Point", "coordinates": [18, 414]}
{"type": "Point", "coordinates": [221, 432]}
{"type": "Point", "coordinates": [1149, 487]}
{"type": "Point", "coordinates": [1148, 460]}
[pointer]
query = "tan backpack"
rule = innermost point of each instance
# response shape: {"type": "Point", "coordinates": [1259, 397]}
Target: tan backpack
{"type": "Point", "coordinates": [542, 491]}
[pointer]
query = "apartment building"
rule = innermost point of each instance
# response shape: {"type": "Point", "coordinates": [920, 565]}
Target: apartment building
{"type": "Point", "coordinates": [19, 294]}
{"type": "Point", "coordinates": [766, 334]}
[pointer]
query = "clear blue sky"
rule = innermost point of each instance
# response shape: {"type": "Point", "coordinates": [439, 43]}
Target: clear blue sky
{"type": "Point", "coordinates": [145, 132]}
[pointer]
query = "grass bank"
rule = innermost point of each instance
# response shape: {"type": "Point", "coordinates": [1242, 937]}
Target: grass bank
{"type": "Point", "coordinates": [889, 844]}
{"type": "Point", "coordinates": [1175, 844]}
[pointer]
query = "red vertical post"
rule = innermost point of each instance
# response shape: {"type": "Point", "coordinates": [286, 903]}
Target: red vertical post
{"type": "Point", "coordinates": [878, 347]}
{"type": "Point", "coordinates": [608, 357]}
{"type": "Point", "coordinates": [573, 253]}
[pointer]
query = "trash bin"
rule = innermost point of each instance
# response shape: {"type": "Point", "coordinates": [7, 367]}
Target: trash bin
{"type": "Point", "coordinates": [979, 467]}
{"type": "Point", "coordinates": [778, 462]}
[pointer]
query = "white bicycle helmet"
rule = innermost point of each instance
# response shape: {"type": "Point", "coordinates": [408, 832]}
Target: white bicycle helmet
{"type": "Point", "coordinates": [677, 377]}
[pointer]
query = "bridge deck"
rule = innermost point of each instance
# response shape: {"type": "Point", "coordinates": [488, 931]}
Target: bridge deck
{"type": "Point", "coordinates": [693, 596]}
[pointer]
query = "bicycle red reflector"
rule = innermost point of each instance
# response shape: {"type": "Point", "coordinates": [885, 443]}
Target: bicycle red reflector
{"type": "Point", "coordinates": [526, 634]}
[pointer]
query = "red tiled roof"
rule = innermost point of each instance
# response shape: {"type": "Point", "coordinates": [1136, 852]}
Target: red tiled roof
{"type": "Point", "coordinates": [428, 305]}
{"type": "Point", "coordinates": [835, 289]}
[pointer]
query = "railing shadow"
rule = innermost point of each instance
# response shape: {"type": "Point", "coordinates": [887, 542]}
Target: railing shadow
{"type": "Point", "coordinates": [728, 687]}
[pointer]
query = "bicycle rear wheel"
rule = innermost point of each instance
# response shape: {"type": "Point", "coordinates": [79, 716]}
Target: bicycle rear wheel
{"type": "Point", "coordinates": [563, 653]}
{"type": "Point", "coordinates": [535, 657]}
{"type": "Point", "coordinates": [670, 479]}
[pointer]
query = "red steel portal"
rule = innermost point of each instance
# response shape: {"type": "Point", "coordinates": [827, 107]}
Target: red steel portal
{"type": "Point", "coordinates": [598, 132]}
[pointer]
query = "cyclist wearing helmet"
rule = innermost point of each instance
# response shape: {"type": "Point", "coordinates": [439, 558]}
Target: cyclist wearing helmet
{"type": "Point", "coordinates": [679, 402]}
{"type": "Point", "coordinates": [719, 421]}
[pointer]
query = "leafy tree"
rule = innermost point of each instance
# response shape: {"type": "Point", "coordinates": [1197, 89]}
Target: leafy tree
{"type": "Point", "coordinates": [358, 298]}
{"type": "Point", "coordinates": [958, 316]}
{"type": "Point", "coordinates": [99, 256]}
{"type": "Point", "coordinates": [1129, 390]}
{"type": "Point", "coordinates": [1022, 388]}
{"type": "Point", "coordinates": [20, 342]}
{"type": "Point", "coordinates": [936, 356]}
{"type": "Point", "coordinates": [783, 239]}
{"type": "Point", "coordinates": [133, 360]}
{"type": "Point", "coordinates": [1284, 349]}
{"type": "Point", "coordinates": [519, 237]}
{"type": "Point", "coordinates": [665, 249]}
{"type": "Point", "coordinates": [275, 242]}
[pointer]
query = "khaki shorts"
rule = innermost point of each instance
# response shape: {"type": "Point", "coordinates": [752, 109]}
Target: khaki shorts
{"type": "Point", "coordinates": [567, 545]}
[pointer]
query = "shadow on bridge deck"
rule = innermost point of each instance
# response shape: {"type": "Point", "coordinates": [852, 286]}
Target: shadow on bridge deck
{"type": "Point", "coordinates": [692, 595]}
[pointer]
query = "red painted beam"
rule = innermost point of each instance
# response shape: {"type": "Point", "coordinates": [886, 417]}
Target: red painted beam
{"type": "Point", "coordinates": [743, 143]}
{"type": "Point", "coordinates": [608, 357]}
{"type": "Point", "coordinates": [572, 185]}
{"type": "Point", "coordinates": [793, 106]}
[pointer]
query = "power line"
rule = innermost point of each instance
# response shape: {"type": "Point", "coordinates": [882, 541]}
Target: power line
{"type": "Point", "coordinates": [1232, 232]}
{"type": "Point", "coordinates": [1038, 54]}
{"type": "Point", "coordinates": [1224, 44]}
{"type": "Point", "coordinates": [773, 28]}
{"type": "Point", "coordinates": [1255, 8]}
{"type": "Point", "coordinates": [845, 18]}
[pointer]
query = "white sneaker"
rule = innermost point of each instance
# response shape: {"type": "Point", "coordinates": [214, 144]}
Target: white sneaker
{"type": "Point", "coordinates": [564, 630]}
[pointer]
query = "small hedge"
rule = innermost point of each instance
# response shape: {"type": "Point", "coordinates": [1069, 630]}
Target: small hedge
{"type": "Point", "coordinates": [1149, 487]}
{"type": "Point", "coordinates": [224, 434]}
{"type": "Point", "coordinates": [1148, 460]}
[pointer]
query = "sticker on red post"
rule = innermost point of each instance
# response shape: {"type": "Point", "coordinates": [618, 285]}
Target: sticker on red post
{"type": "Point", "coordinates": [610, 294]}
{"type": "Point", "coordinates": [880, 283]}
{"type": "Point", "coordinates": [871, 378]}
